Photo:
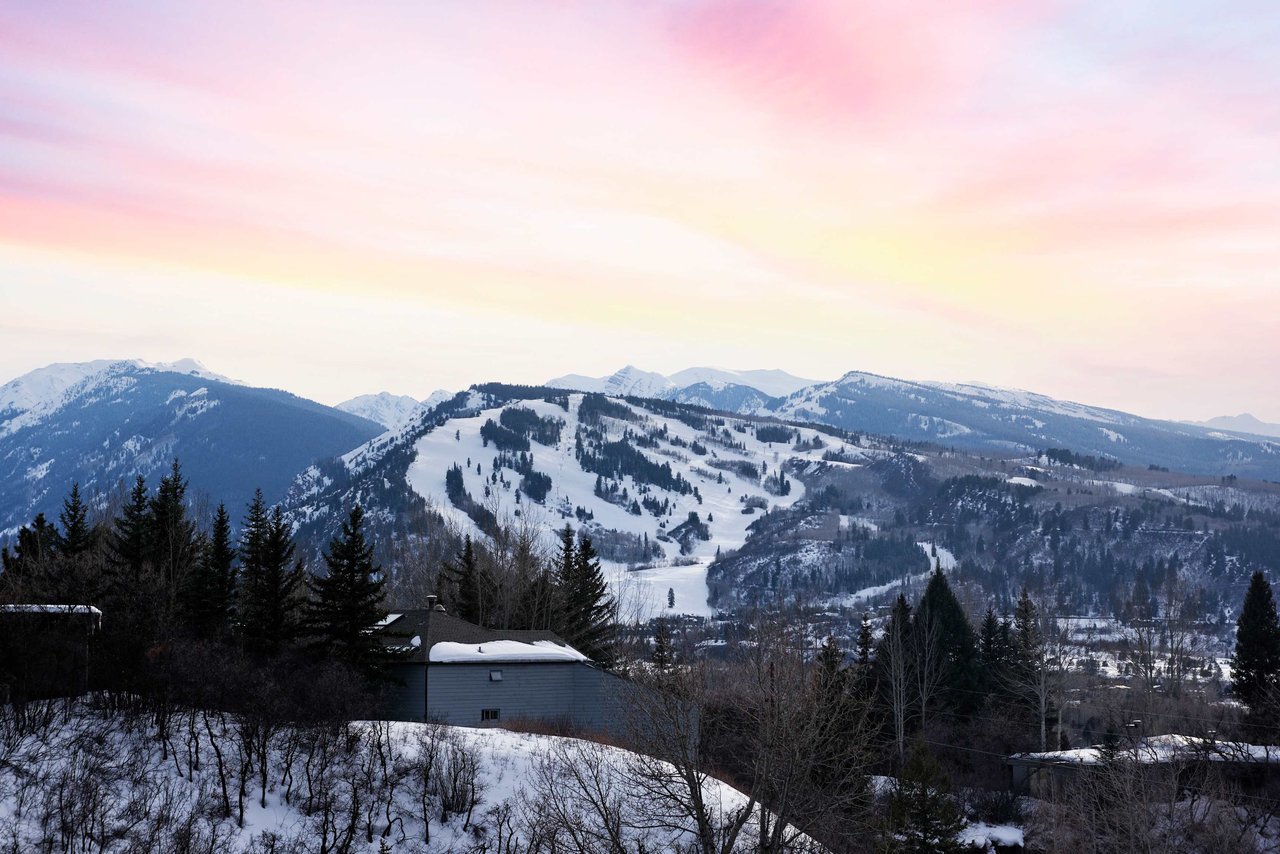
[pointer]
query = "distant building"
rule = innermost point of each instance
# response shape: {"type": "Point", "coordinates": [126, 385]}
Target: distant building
{"type": "Point", "coordinates": [1254, 768]}
{"type": "Point", "coordinates": [45, 650]}
{"type": "Point", "coordinates": [459, 673]}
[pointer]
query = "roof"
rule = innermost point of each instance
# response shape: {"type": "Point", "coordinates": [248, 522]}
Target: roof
{"type": "Point", "coordinates": [1158, 749]}
{"type": "Point", "coordinates": [430, 627]}
{"type": "Point", "coordinates": [51, 609]}
{"type": "Point", "coordinates": [502, 651]}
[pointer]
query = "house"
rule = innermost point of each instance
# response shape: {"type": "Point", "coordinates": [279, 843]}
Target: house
{"type": "Point", "coordinates": [1252, 768]}
{"type": "Point", "coordinates": [456, 672]}
{"type": "Point", "coordinates": [45, 650]}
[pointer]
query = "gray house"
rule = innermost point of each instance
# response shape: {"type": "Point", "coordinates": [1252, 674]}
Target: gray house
{"type": "Point", "coordinates": [456, 672]}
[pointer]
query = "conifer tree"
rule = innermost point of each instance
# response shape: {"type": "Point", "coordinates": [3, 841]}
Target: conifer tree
{"type": "Point", "coordinates": [271, 588]}
{"type": "Point", "coordinates": [129, 546]}
{"type": "Point", "coordinates": [211, 589]}
{"type": "Point", "coordinates": [588, 609]}
{"type": "Point", "coordinates": [662, 653]}
{"type": "Point", "coordinates": [470, 583]}
{"type": "Point", "coordinates": [1255, 664]}
{"type": "Point", "coordinates": [866, 642]}
{"type": "Point", "coordinates": [174, 541]}
{"type": "Point", "coordinates": [35, 546]}
{"type": "Point", "coordinates": [349, 600]}
{"type": "Point", "coordinates": [76, 536]}
{"type": "Point", "coordinates": [940, 611]}
{"type": "Point", "coordinates": [923, 816]}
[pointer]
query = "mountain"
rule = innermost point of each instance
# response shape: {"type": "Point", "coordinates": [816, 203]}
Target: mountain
{"type": "Point", "coordinates": [652, 481]}
{"type": "Point", "coordinates": [390, 410]}
{"type": "Point", "coordinates": [101, 423]}
{"type": "Point", "coordinates": [717, 388]}
{"type": "Point", "coordinates": [1243, 423]}
{"type": "Point", "coordinates": [1009, 421]}
{"type": "Point", "coordinates": [629, 380]}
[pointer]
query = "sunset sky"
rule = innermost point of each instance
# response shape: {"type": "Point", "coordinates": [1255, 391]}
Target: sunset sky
{"type": "Point", "coordinates": [1082, 199]}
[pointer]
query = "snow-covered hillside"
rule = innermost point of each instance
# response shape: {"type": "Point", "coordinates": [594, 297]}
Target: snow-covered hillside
{"type": "Point", "coordinates": [722, 471]}
{"type": "Point", "coordinates": [399, 787]}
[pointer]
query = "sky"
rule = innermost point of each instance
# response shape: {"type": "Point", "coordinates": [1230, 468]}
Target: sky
{"type": "Point", "coordinates": [1081, 199]}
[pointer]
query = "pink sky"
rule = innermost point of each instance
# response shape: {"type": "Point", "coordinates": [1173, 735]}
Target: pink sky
{"type": "Point", "coordinates": [338, 198]}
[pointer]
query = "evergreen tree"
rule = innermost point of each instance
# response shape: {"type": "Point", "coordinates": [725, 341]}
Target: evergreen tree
{"type": "Point", "coordinates": [923, 816]}
{"type": "Point", "coordinates": [1255, 665]}
{"type": "Point", "coordinates": [956, 645]}
{"type": "Point", "coordinates": [587, 609]}
{"type": "Point", "coordinates": [470, 585]}
{"type": "Point", "coordinates": [77, 536]}
{"type": "Point", "coordinates": [1028, 640]}
{"type": "Point", "coordinates": [211, 588]}
{"type": "Point", "coordinates": [995, 650]}
{"type": "Point", "coordinates": [830, 661]}
{"type": "Point", "coordinates": [866, 641]}
{"type": "Point", "coordinates": [130, 541]}
{"type": "Point", "coordinates": [271, 588]}
{"type": "Point", "coordinates": [174, 541]}
{"type": "Point", "coordinates": [349, 600]}
{"type": "Point", "coordinates": [32, 552]}
{"type": "Point", "coordinates": [662, 653]}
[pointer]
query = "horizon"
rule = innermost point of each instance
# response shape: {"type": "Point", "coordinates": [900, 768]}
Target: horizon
{"type": "Point", "coordinates": [161, 364]}
{"type": "Point", "coordinates": [1078, 202]}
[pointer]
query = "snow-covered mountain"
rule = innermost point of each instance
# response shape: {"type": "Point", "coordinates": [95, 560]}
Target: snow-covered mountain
{"type": "Point", "coordinates": [633, 381]}
{"type": "Point", "coordinates": [1243, 423]}
{"type": "Point", "coordinates": [391, 410]}
{"type": "Point", "coordinates": [977, 416]}
{"type": "Point", "coordinates": [101, 423]}
{"type": "Point", "coordinates": [656, 483]}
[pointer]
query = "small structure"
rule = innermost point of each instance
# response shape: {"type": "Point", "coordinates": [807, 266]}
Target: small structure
{"type": "Point", "coordinates": [45, 650]}
{"type": "Point", "coordinates": [457, 672]}
{"type": "Point", "coordinates": [1252, 767]}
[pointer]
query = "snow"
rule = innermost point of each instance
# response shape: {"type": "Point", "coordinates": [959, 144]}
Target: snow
{"type": "Point", "coordinates": [51, 609]}
{"type": "Point", "coordinates": [1165, 748]}
{"type": "Point", "coordinates": [389, 410]}
{"type": "Point", "coordinates": [643, 591]}
{"type": "Point", "coordinates": [633, 381]}
{"type": "Point", "coordinates": [36, 394]}
{"type": "Point", "coordinates": [514, 771]}
{"type": "Point", "coordinates": [985, 836]}
{"type": "Point", "coordinates": [1023, 481]}
{"type": "Point", "coordinates": [450, 652]}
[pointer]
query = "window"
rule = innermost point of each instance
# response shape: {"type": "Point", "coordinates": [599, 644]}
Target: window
{"type": "Point", "coordinates": [495, 675]}
{"type": "Point", "coordinates": [490, 714]}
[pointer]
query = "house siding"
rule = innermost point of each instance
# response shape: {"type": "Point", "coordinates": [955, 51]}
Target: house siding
{"type": "Point", "coordinates": [569, 693]}
{"type": "Point", "coordinates": [406, 696]}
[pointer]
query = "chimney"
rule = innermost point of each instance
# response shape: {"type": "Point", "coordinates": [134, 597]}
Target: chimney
{"type": "Point", "coordinates": [431, 603]}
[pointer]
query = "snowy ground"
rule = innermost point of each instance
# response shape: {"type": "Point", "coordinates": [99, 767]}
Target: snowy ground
{"type": "Point", "coordinates": [94, 777]}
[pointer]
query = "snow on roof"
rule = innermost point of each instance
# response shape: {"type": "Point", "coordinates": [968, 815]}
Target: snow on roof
{"type": "Point", "coordinates": [51, 609]}
{"type": "Point", "coordinates": [387, 620]}
{"type": "Point", "coordinates": [449, 652]}
{"type": "Point", "coordinates": [1163, 748]}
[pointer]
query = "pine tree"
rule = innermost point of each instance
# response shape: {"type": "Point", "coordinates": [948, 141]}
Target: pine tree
{"type": "Point", "coordinates": [174, 541]}
{"type": "Point", "coordinates": [34, 549]}
{"type": "Point", "coordinates": [471, 586]}
{"type": "Point", "coordinates": [349, 600]}
{"type": "Point", "coordinates": [129, 546]}
{"type": "Point", "coordinates": [671, 597]}
{"type": "Point", "coordinates": [588, 610]}
{"type": "Point", "coordinates": [211, 589]}
{"type": "Point", "coordinates": [77, 536]}
{"type": "Point", "coordinates": [830, 661]}
{"type": "Point", "coordinates": [865, 642]}
{"type": "Point", "coordinates": [924, 818]}
{"type": "Point", "coordinates": [271, 588]}
{"type": "Point", "coordinates": [1255, 665]}
{"type": "Point", "coordinates": [955, 642]}
{"type": "Point", "coordinates": [662, 652]}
